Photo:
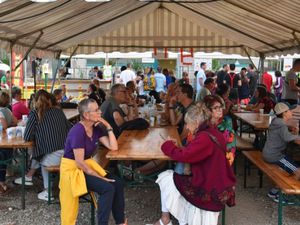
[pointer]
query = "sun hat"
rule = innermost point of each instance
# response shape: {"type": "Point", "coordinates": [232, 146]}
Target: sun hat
{"type": "Point", "coordinates": [281, 108]}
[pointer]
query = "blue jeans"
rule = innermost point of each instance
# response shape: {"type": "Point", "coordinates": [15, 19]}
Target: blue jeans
{"type": "Point", "coordinates": [111, 198]}
{"type": "Point", "coordinates": [5, 154]}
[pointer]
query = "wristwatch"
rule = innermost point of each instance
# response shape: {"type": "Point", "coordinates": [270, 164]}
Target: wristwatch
{"type": "Point", "coordinates": [109, 129]}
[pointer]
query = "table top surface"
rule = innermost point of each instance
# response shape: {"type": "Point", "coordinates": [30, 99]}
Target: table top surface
{"type": "Point", "coordinates": [71, 113]}
{"type": "Point", "coordinates": [16, 142]}
{"type": "Point", "coordinates": [143, 144]}
{"type": "Point", "coordinates": [256, 120]}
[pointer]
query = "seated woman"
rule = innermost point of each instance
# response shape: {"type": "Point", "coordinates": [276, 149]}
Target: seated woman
{"type": "Point", "coordinates": [7, 119]}
{"type": "Point", "coordinates": [48, 127]}
{"type": "Point", "coordinates": [198, 198]}
{"type": "Point", "coordinates": [223, 91]}
{"type": "Point", "coordinates": [263, 101]}
{"type": "Point", "coordinates": [18, 108]}
{"type": "Point", "coordinates": [80, 146]}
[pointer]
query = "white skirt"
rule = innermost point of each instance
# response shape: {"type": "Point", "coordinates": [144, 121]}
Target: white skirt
{"type": "Point", "coordinates": [176, 204]}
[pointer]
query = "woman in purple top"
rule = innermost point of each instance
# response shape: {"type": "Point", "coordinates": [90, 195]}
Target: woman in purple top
{"type": "Point", "coordinates": [81, 143]}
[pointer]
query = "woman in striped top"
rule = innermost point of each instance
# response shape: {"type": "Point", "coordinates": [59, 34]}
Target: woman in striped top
{"type": "Point", "coordinates": [48, 127]}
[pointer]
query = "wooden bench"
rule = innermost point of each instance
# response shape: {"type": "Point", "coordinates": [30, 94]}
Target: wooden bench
{"type": "Point", "coordinates": [287, 183]}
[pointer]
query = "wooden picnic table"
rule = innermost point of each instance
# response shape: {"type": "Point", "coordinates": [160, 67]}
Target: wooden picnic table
{"type": "Point", "coordinates": [143, 144]}
{"type": "Point", "coordinates": [256, 120]}
{"type": "Point", "coordinates": [17, 143]}
{"type": "Point", "coordinates": [71, 113]}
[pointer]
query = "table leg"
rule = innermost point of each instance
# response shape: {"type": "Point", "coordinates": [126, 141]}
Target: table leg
{"type": "Point", "coordinates": [23, 162]}
{"type": "Point", "coordinates": [280, 208]}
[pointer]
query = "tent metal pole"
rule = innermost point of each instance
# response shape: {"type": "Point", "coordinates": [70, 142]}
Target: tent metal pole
{"type": "Point", "coordinates": [262, 62]}
{"type": "Point", "coordinates": [54, 74]}
{"type": "Point", "coordinates": [10, 63]}
{"type": "Point", "coordinates": [29, 50]}
{"type": "Point", "coordinates": [248, 55]}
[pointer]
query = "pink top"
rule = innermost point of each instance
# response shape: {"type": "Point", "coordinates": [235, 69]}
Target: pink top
{"type": "Point", "coordinates": [19, 109]}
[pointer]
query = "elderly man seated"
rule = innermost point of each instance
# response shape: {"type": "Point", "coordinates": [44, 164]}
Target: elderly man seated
{"type": "Point", "coordinates": [113, 113]}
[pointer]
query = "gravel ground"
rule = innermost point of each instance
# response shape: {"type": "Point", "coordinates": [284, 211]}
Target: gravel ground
{"type": "Point", "coordinates": [143, 206]}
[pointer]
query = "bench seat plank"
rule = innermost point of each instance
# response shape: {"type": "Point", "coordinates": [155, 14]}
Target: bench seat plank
{"type": "Point", "coordinates": [286, 182]}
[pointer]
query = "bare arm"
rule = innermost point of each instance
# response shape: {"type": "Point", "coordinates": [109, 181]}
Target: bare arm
{"type": "Point", "coordinates": [109, 141]}
{"type": "Point", "coordinates": [119, 120]}
{"type": "Point", "coordinates": [293, 86]}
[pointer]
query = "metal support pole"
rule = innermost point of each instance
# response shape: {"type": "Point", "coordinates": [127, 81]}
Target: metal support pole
{"type": "Point", "coordinates": [248, 55]}
{"type": "Point", "coordinates": [54, 74]}
{"type": "Point", "coordinates": [261, 66]}
{"type": "Point", "coordinates": [29, 50]}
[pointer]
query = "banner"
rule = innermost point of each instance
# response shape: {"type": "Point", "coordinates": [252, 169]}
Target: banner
{"type": "Point", "coordinates": [17, 75]}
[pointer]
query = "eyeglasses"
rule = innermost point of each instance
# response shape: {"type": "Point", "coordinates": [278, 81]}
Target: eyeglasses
{"type": "Point", "coordinates": [96, 110]}
{"type": "Point", "coordinates": [217, 107]}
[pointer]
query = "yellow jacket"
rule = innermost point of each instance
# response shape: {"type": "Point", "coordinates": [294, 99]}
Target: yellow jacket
{"type": "Point", "coordinates": [72, 185]}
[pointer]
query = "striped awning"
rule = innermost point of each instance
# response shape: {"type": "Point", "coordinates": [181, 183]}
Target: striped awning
{"type": "Point", "coordinates": [243, 27]}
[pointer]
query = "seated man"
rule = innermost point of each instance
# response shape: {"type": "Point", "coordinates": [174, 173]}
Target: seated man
{"type": "Point", "coordinates": [277, 141]}
{"type": "Point", "coordinates": [112, 111]}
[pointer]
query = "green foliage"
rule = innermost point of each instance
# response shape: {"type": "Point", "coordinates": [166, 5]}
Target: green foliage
{"type": "Point", "coordinates": [137, 65]}
{"type": "Point", "coordinates": [215, 64]}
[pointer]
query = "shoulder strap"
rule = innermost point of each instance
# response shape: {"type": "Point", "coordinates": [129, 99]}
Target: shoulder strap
{"type": "Point", "coordinates": [213, 138]}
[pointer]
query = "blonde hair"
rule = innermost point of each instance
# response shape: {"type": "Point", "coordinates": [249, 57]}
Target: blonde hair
{"type": "Point", "coordinates": [196, 114]}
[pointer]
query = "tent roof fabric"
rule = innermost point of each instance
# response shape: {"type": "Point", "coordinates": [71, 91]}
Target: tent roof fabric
{"type": "Point", "coordinates": [243, 27]}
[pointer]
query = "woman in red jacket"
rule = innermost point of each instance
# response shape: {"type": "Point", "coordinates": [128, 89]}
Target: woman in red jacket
{"type": "Point", "coordinates": [198, 198]}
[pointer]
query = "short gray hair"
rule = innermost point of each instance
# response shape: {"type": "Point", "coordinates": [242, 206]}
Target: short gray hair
{"type": "Point", "coordinates": [114, 89]}
{"type": "Point", "coordinates": [83, 106]}
{"type": "Point", "coordinates": [195, 114]}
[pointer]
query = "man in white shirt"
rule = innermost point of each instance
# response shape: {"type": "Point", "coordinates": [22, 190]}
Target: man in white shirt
{"type": "Point", "coordinates": [127, 75]}
{"type": "Point", "coordinates": [201, 77]}
{"type": "Point", "coordinates": [160, 80]}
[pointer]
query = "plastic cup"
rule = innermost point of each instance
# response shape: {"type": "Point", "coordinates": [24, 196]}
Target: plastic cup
{"type": "Point", "coordinates": [11, 132]}
{"type": "Point", "coordinates": [261, 111]}
{"type": "Point", "coordinates": [152, 121]}
{"type": "Point", "coordinates": [19, 132]}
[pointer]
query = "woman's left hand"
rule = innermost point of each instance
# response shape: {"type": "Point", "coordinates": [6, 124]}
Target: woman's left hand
{"type": "Point", "coordinates": [104, 122]}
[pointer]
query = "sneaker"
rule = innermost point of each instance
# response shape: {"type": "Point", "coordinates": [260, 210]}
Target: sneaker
{"type": "Point", "coordinates": [273, 193]}
{"type": "Point", "coordinates": [285, 200]}
{"type": "Point", "coordinates": [44, 196]}
{"type": "Point", "coordinates": [28, 181]}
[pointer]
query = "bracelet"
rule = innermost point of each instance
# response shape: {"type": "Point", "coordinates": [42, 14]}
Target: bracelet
{"type": "Point", "coordinates": [109, 129]}
{"type": "Point", "coordinates": [171, 107]}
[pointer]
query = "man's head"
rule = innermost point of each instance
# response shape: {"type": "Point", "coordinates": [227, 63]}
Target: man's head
{"type": "Point", "coordinates": [203, 65]}
{"type": "Point", "coordinates": [185, 92]}
{"type": "Point", "coordinates": [58, 95]}
{"type": "Point", "coordinates": [96, 69]}
{"type": "Point", "coordinates": [118, 92]}
{"type": "Point", "coordinates": [7, 73]}
{"type": "Point", "coordinates": [209, 83]}
{"type": "Point", "coordinates": [283, 111]}
{"type": "Point", "coordinates": [243, 71]}
{"type": "Point", "coordinates": [226, 67]}
{"type": "Point", "coordinates": [129, 65]}
{"type": "Point", "coordinates": [296, 65]}
{"type": "Point", "coordinates": [250, 67]}
{"type": "Point", "coordinates": [159, 69]}
{"type": "Point", "coordinates": [16, 93]}
{"type": "Point", "coordinates": [232, 67]}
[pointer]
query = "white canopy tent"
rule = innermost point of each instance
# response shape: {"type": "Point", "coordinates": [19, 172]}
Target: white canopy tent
{"type": "Point", "coordinates": [246, 27]}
